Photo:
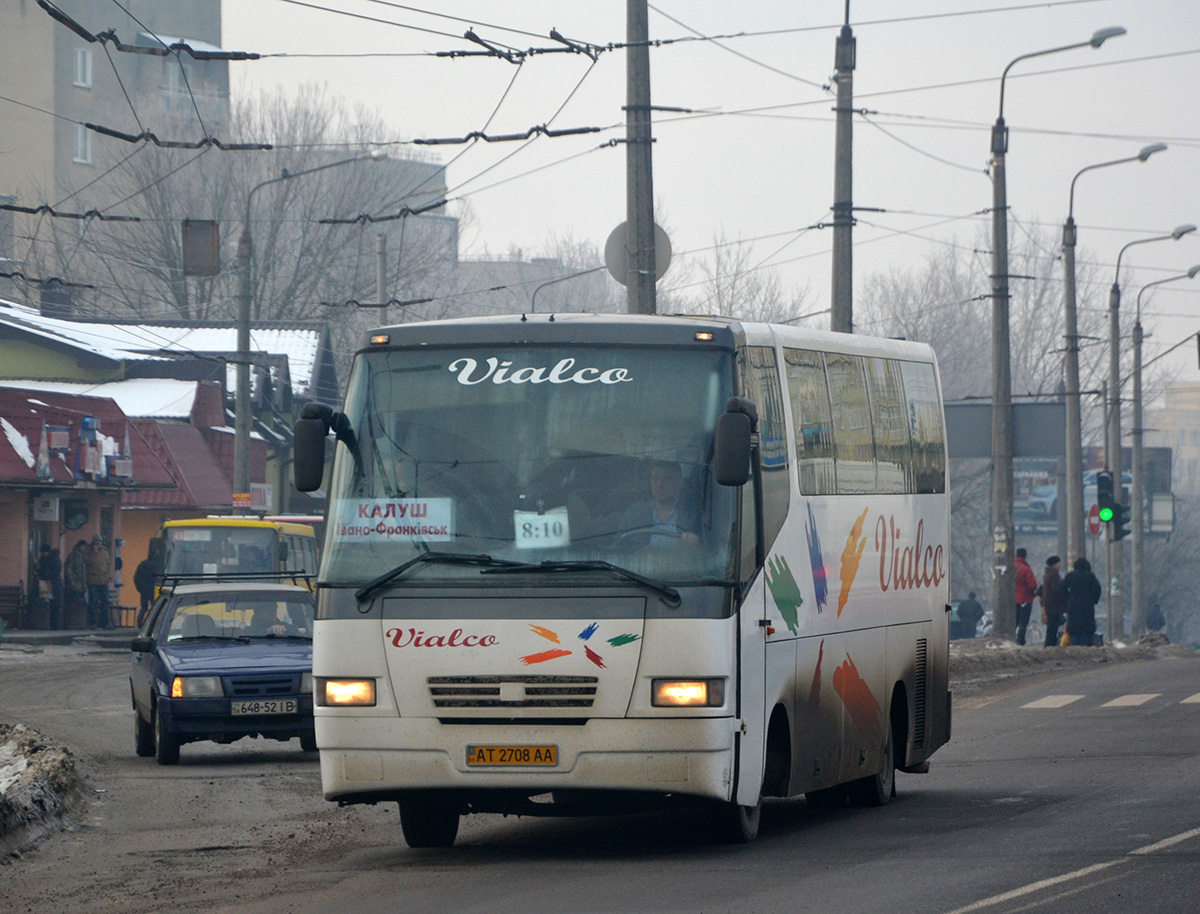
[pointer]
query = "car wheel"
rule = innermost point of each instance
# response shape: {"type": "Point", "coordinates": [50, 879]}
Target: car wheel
{"type": "Point", "coordinates": [428, 822]}
{"type": "Point", "coordinates": [308, 742]}
{"type": "Point", "coordinates": [166, 745]}
{"type": "Point", "coordinates": [143, 735]}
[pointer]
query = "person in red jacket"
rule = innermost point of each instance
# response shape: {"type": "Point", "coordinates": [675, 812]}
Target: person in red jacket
{"type": "Point", "coordinates": [1026, 590]}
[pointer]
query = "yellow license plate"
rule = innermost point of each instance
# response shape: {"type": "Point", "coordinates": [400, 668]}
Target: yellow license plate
{"type": "Point", "coordinates": [512, 755]}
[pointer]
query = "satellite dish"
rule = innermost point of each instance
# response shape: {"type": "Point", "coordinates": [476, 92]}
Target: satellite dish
{"type": "Point", "coordinates": [616, 256]}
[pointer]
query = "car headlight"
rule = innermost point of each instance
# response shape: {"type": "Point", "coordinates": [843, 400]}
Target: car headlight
{"type": "Point", "coordinates": [687, 693]}
{"type": "Point", "coordinates": [345, 693]}
{"type": "Point", "coordinates": [306, 683]}
{"type": "Point", "coordinates": [197, 687]}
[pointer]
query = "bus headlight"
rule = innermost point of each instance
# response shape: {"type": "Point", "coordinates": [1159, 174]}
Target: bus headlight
{"type": "Point", "coordinates": [687, 693]}
{"type": "Point", "coordinates": [345, 693]}
{"type": "Point", "coordinates": [306, 683]}
{"type": "Point", "coordinates": [197, 687]}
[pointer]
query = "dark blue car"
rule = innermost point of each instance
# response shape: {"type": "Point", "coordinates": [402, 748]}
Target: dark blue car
{"type": "Point", "coordinates": [221, 661]}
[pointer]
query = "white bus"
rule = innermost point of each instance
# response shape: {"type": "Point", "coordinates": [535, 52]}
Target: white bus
{"type": "Point", "coordinates": [587, 563]}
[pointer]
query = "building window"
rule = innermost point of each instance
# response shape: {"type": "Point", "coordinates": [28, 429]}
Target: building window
{"type": "Point", "coordinates": [83, 145]}
{"type": "Point", "coordinates": [83, 68]}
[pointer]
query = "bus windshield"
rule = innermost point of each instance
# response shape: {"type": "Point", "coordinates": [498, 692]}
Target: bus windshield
{"type": "Point", "coordinates": [535, 455]}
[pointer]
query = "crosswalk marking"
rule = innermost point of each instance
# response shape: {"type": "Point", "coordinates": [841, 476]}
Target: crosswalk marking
{"type": "Point", "coordinates": [1130, 701]}
{"type": "Point", "coordinates": [1053, 701]}
{"type": "Point", "coordinates": [1133, 700]}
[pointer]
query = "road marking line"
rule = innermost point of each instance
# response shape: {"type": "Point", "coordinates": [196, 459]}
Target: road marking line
{"type": "Point", "coordinates": [1167, 842]}
{"type": "Point", "coordinates": [1076, 874]}
{"type": "Point", "coordinates": [1036, 887]}
{"type": "Point", "coordinates": [1130, 701]}
{"type": "Point", "coordinates": [1192, 700]}
{"type": "Point", "coordinates": [1053, 701]}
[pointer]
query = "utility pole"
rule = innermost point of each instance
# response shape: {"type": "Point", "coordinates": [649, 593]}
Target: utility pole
{"type": "Point", "coordinates": [381, 273]}
{"type": "Point", "coordinates": [241, 418]}
{"type": "Point", "coordinates": [639, 183]}
{"type": "Point", "coordinates": [841, 315]}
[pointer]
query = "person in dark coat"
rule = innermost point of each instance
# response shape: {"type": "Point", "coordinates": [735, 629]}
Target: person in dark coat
{"type": "Point", "coordinates": [970, 611]}
{"type": "Point", "coordinates": [1054, 600]}
{"type": "Point", "coordinates": [145, 579]}
{"type": "Point", "coordinates": [1083, 593]}
{"type": "Point", "coordinates": [49, 575]}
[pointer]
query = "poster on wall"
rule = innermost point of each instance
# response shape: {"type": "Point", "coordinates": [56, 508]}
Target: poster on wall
{"type": "Point", "coordinates": [45, 508]}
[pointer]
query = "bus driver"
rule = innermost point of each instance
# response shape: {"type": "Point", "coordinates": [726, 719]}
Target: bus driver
{"type": "Point", "coordinates": [662, 520]}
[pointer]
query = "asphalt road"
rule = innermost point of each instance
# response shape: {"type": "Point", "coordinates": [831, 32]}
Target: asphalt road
{"type": "Point", "coordinates": [1073, 792]}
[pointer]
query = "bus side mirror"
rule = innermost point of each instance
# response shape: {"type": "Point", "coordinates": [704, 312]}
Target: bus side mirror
{"type": "Point", "coordinates": [731, 444]}
{"type": "Point", "coordinates": [283, 551]}
{"type": "Point", "coordinates": [308, 453]}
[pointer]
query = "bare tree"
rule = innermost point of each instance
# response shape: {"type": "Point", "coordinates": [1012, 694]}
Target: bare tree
{"type": "Point", "coordinates": [301, 262]}
{"type": "Point", "coordinates": [733, 285]}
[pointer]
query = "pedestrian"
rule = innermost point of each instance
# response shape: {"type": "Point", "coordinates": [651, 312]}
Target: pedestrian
{"type": "Point", "coordinates": [1054, 599]}
{"type": "Point", "coordinates": [1155, 620]}
{"type": "Point", "coordinates": [145, 579]}
{"type": "Point", "coordinates": [1026, 588]}
{"type": "Point", "coordinates": [970, 611]}
{"type": "Point", "coordinates": [49, 578]}
{"type": "Point", "coordinates": [1083, 591]}
{"type": "Point", "coordinates": [75, 579]}
{"type": "Point", "coordinates": [99, 576]}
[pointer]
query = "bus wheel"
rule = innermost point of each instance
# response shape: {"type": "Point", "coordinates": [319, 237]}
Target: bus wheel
{"type": "Point", "coordinates": [308, 742]}
{"type": "Point", "coordinates": [877, 789]}
{"type": "Point", "coordinates": [428, 822]}
{"type": "Point", "coordinates": [736, 824]}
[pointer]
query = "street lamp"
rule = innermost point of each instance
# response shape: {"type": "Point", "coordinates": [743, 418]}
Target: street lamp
{"type": "Point", "coordinates": [1112, 446]}
{"type": "Point", "coordinates": [1137, 493]}
{"type": "Point", "coordinates": [1003, 591]}
{"type": "Point", "coordinates": [1074, 443]}
{"type": "Point", "coordinates": [245, 254]}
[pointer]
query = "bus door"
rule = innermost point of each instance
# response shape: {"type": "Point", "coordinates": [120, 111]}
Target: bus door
{"type": "Point", "coordinates": [753, 626]}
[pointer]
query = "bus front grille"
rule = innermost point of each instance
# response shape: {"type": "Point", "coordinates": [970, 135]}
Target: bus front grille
{"type": "Point", "coordinates": [512, 691]}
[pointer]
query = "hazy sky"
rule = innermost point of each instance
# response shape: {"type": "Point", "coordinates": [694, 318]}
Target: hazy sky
{"type": "Point", "coordinates": [755, 159]}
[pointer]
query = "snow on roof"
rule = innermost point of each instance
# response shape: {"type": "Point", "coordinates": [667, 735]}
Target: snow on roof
{"type": "Point", "coordinates": [19, 442]}
{"type": "Point", "coordinates": [141, 398]}
{"type": "Point", "coordinates": [134, 342]}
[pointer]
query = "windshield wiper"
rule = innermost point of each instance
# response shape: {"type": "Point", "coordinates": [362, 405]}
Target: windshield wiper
{"type": "Point", "coordinates": [669, 594]}
{"type": "Point", "coordinates": [437, 558]}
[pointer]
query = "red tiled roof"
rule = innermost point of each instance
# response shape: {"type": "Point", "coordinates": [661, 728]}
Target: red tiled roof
{"type": "Point", "coordinates": [201, 483]}
{"type": "Point", "coordinates": [24, 413]}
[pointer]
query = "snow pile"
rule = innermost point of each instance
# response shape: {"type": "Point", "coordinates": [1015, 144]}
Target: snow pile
{"type": "Point", "coordinates": [38, 787]}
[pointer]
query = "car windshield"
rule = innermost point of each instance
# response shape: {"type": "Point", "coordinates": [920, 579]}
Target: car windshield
{"type": "Point", "coordinates": [548, 454]}
{"type": "Point", "coordinates": [239, 615]}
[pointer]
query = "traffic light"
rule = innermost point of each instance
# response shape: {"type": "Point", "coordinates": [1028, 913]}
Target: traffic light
{"type": "Point", "coordinates": [1104, 497]}
{"type": "Point", "coordinates": [1120, 527]}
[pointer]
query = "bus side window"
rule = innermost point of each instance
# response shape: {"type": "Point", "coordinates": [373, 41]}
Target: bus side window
{"type": "Point", "coordinates": [809, 391]}
{"type": "Point", "coordinates": [925, 426]}
{"type": "Point", "coordinates": [889, 420]}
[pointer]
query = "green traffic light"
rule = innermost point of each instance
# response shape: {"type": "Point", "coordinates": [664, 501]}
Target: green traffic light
{"type": "Point", "coordinates": [1106, 515]}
